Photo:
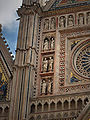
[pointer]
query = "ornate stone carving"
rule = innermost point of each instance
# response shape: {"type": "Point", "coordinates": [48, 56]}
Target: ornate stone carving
{"type": "Point", "coordinates": [44, 85]}
{"type": "Point", "coordinates": [50, 64]}
{"type": "Point", "coordinates": [88, 18]}
{"type": "Point", "coordinates": [46, 44]}
{"type": "Point", "coordinates": [70, 20]}
{"type": "Point", "coordinates": [45, 65]}
{"type": "Point", "coordinates": [53, 23]}
{"type": "Point", "coordinates": [52, 43]}
{"type": "Point", "coordinates": [83, 62]}
{"type": "Point", "coordinates": [46, 24]}
{"type": "Point", "coordinates": [62, 21]}
{"type": "Point", "coordinates": [81, 19]}
{"type": "Point", "coordinates": [49, 89]}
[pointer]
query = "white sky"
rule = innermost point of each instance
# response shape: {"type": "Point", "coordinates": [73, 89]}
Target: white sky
{"type": "Point", "coordinates": [8, 12]}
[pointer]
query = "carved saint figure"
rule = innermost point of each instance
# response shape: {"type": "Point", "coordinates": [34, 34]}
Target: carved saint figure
{"type": "Point", "coordinates": [44, 87]}
{"type": "Point", "coordinates": [88, 18]}
{"type": "Point", "coordinates": [46, 24]}
{"type": "Point", "coordinates": [70, 21]}
{"type": "Point", "coordinates": [49, 86]}
{"type": "Point", "coordinates": [52, 43]}
{"type": "Point", "coordinates": [45, 65]}
{"type": "Point", "coordinates": [50, 64]}
{"type": "Point", "coordinates": [81, 19]}
{"type": "Point", "coordinates": [62, 22]}
{"type": "Point", "coordinates": [52, 25]}
{"type": "Point", "coordinates": [46, 44]}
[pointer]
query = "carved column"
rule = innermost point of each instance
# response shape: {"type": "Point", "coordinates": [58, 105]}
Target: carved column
{"type": "Point", "coordinates": [25, 65]}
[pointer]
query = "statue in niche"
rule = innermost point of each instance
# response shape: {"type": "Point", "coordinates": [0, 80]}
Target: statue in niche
{"type": "Point", "coordinates": [50, 64]}
{"type": "Point", "coordinates": [44, 85]}
{"type": "Point", "coordinates": [46, 44]}
{"type": "Point", "coordinates": [62, 22]}
{"type": "Point", "coordinates": [49, 86]}
{"type": "Point", "coordinates": [52, 43]}
{"type": "Point", "coordinates": [70, 21]}
{"type": "Point", "coordinates": [45, 65]}
{"type": "Point", "coordinates": [88, 18]}
{"type": "Point", "coordinates": [53, 24]}
{"type": "Point", "coordinates": [46, 24]}
{"type": "Point", "coordinates": [81, 19]}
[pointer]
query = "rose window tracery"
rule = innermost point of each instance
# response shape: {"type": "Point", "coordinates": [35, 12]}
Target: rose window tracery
{"type": "Point", "coordinates": [81, 60]}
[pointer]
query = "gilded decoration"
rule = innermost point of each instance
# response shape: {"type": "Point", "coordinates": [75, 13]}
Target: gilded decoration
{"type": "Point", "coordinates": [3, 86]}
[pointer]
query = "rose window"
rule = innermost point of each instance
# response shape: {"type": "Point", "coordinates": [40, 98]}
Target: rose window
{"type": "Point", "coordinates": [81, 60]}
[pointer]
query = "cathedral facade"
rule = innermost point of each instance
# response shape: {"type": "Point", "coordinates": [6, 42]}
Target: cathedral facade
{"type": "Point", "coordinates": [51, 79]}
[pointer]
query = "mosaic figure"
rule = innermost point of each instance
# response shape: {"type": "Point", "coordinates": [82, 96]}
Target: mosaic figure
{"type": "Point", "coordinates": [3, 88]}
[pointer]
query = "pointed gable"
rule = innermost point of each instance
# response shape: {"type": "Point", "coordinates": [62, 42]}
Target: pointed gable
{"type": "Point", "coordinates": [60, 4]}
{"type": "Point", "coordinates": [6, 69]}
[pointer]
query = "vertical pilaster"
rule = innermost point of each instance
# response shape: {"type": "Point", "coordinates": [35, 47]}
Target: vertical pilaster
{"type": "Point", "coordinates": [25, 63]}
{"type": "Point", "coordinates": [56, 64]}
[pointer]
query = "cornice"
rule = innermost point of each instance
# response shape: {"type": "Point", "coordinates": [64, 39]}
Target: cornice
{"type": "Point", "coordinates": [65, 11]}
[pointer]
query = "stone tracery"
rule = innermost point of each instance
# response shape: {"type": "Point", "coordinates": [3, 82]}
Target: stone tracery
{"type": "Point", "coordinates": [83, 62]}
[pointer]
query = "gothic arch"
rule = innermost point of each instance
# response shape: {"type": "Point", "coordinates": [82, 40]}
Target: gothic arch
{"type": "Point", "coordinates": [52, 106]}
{"type": "Point", "coordinates": [79, 103]}
{"type": "Point", "coordinates": [46, 106]}
{"type": "Point", "coordinates": [66, 104]}
{"type": "Point", "coordinates": [33, 108]}
{"type": "Point", "coordinates": [59, 105]}
{"type": "Point", "coordinates": [6, 110]}
{"type": "Point", "coordinates": [39, 107]}
{"type": "Point", "coordinates": [72, 104]}
{"type": "Point", "coordinates": [1, 110]}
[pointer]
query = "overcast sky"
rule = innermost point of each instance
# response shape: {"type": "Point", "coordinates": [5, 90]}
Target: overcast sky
{"type": "Point", "coordinates": [8, 11]}
{"type": "Point", "coordinates": [8, 18]}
